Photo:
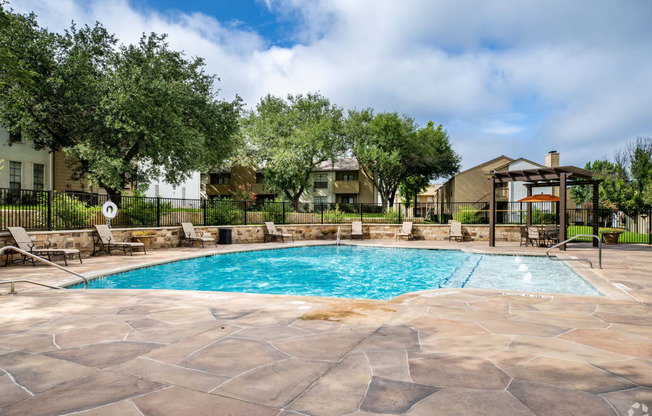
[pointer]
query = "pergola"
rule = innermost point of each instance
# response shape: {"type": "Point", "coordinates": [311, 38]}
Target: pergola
{"type": "Point", "coordinates": [561, 176]}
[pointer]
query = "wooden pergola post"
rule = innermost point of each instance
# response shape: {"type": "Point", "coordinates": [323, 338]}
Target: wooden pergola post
{"type": "Point", "coordinates": [562, 209]}
{"type": "Point", "coordinates": [492, 214]}
{"type": "Point", "coordinates": [595, 211]}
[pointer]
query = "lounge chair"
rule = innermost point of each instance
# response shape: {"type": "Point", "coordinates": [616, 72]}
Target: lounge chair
{"type": "Point", "coordinates": [356, 230]}
{"type": "Point", "coordinates": [405, 231]}
{"type": "Point", "coordinates": [191, 237]}
{"type": "Point", "coordinates": [456, 231]}
{"type": "Point", "coordinates": [274, 235]}
{"type": "Point", "coordinates": [24, 242]}
{"type": "Point", "coordinates": [106, 242]}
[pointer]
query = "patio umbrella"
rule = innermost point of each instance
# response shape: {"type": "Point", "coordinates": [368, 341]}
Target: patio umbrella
{"type": "Point", "coordinates": [540, 198]}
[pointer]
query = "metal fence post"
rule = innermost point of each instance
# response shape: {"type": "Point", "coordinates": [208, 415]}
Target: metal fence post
{"type": "Point", "coordinates": [50, 210]}
{"type": "Point", "coordinates": [322, 213]}
{"type": "Point", "coordinates": [158, 211]}
{"type": "Point", "coordinates": [283, 212]}
{"type": "Point", "coordinates": [361, 212]}
{"type": "Point", "coordinates": [399, 212]}
{"type": "Point", "coordinates": [245, 212]}
{"type": "Point", "coordinates": [203, 206]}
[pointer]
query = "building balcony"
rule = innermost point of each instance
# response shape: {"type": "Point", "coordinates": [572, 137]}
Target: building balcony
{"type": "Point", "coordinates": [346, 187]}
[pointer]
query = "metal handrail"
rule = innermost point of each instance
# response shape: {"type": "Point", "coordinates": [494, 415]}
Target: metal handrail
{"type": "Point", "coordinates": [573, 238]}
{"type": "Point", "coordinates": [28, 254]}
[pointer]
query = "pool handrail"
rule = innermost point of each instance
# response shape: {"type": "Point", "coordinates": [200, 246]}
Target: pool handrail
{"type": "Point", "coordinates": [33, 256]}
{"type": "Point", "coordinates": [573, 238]}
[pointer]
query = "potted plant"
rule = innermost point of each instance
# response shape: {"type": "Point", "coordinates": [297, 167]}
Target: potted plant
{"type": "Point", "coordinates": [146, 237]}
{"type": "Point", "coordinates": [328, 233]}
{"type": "Point", "coordinates": [611, 235]}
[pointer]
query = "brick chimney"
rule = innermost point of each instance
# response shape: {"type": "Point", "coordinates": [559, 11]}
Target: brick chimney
{"type": "Point", "coordinates": [552, 159]}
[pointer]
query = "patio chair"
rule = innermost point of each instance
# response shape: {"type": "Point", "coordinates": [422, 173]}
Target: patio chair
{"type": "Point", "coordinates": [24, 242]}
{"type": "Point", "coordinates": [551, 234]}
{"type": "Point", "coordinates": [191, 237]}
{"type": "Point", "coordinates": [106, 242]}
{"type": "Point", "coordinates": [274, 235]}
{"type": "Point", "coordinates": [523, 231]}
{"type": "Point", "coordinates": [456, 231]}
{"type": "Point", "coordinates": [356, 230]}
{"type": "Point", "coordinates": [405, 231]}
{"type": "Point", "coordinates": [534, 236]}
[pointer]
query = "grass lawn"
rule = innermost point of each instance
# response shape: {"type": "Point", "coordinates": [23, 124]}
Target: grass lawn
{"type": "Point", "coordinates": [626, 237]}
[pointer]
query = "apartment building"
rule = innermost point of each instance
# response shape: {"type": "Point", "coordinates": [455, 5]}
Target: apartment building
{"type": "Point", "coordinates": [23, 167]}
{"type": "Point", "coordinates": [341, 182]}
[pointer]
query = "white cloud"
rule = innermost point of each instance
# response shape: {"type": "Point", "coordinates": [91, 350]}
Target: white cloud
{"type": "Point", "coordinates": [579, 74]}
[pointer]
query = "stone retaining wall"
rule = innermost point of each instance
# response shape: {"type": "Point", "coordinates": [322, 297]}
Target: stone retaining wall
{"type": "Point", "coordinates": [170, 236]}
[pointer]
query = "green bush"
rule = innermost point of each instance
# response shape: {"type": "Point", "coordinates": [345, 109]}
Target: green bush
{"type": "Point", "coordinates": [391, 216]}
{"type": "Point", "coordinates": [468, 215]}
{"type": "Point", "coordinates": [273, 211]}
{"type": "Point", "coordinates": [140, 210]}
{"type": "Point", "coordinates": [334, 216]}
{"type": "Point", "coordinates": [223, 212]}
{"type": "Point", "coordinates": [68, 212]}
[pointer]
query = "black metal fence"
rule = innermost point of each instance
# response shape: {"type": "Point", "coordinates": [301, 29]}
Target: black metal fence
{"type": "Point", "coordinates": [48, 210]}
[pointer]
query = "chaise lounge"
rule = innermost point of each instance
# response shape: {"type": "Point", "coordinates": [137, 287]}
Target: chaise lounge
{"type": "Point", "coordinates": [274, 235]}
{"type": "Point", "coordinates": [405, 231]}
{"type": "Point", "coordinates": [456, 231]}
{"type": "Point", "coordinates": [106, 242]}
{"type": "Point", "coordinates": [24, 242]}
{"type": "Point", "coordinates": [356, 230]}
{"type": "Point", "coordinates": [191, 237]}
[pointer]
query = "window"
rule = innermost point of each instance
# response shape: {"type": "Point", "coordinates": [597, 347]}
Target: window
{"type": "Point", "coordinates": [220, 178]}
{"type": "Point", "coordinates": [321, 181]}
{"type": "Point", "coordinates": [346, 199]}
{"type": "Point", "coordinates": [320, 202]}
{"type": "Point", "coordinates": [14, 176]}
{"type": "Point", "coordinates": [259, 177]}
{"type": "Point", "coordinates": [348, 177]}
{"type": "Point", "coordinates": [39, 177]}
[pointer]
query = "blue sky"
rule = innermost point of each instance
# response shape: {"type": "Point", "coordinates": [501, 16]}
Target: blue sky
{"type": "Point", "coordinates": [503, 77]}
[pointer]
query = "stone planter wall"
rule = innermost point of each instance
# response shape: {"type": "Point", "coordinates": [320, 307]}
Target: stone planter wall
{"type": "Point", "coordinates": [170, 236]}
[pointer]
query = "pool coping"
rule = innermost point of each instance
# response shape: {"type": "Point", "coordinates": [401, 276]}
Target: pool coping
{"type": "Point", "coordinates": [595, 279]}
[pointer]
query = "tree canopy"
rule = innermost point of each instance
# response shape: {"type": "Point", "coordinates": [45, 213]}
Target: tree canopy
{"type": "Point", "coordinates": [291, 137]}
{"type": "Point", "coordinates": [627, 182]}
{"type": "Point", "coordinates": [128, 113]}
{"type": "Point", "coordinates": [390, 149]}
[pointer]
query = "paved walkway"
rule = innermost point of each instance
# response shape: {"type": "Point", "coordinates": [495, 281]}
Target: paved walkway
{"type": "Point", "coordinates": [453, 351]}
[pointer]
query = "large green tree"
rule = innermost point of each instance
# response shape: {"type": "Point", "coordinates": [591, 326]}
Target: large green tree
{"type": "Point", "coordinates": [291, 137]}
{"type": "Point", "coordinates": [390, 149]}
{"type": "Point", "coordinates": [127, 114]}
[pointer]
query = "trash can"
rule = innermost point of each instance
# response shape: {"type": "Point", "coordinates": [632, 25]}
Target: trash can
{"type": "Point", "coordinates": [224, 236]}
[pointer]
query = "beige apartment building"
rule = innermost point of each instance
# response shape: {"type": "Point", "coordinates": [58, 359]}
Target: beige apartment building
{"type": "Point", "coordinates": [341, 182]}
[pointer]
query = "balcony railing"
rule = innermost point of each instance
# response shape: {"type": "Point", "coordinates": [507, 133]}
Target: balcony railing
{"type": "Point", "coordinates": [346, 187]}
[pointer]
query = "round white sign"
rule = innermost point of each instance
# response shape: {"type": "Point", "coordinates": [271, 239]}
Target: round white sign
{"type": "Point", "coordinates": [109, 210]}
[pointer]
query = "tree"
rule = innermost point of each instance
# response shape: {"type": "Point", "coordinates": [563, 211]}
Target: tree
{"type": "Point", "coordinates": [290, 138]}
{"type": "Point", "coordinates": [391, 149]}
{"type": "Point", "coordinates": [411, 187]}
{"type": "Point", "coordinates": [127, 114]}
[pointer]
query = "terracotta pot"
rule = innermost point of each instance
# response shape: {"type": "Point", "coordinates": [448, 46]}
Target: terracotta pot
{"type": "Point", "coordinates": [611, 238]}
{"type": "Point", "coordinates": [148, 240]}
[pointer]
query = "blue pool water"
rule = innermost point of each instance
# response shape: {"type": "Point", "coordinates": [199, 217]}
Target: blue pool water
{"type": "Point", "coordinates": [352, 272]}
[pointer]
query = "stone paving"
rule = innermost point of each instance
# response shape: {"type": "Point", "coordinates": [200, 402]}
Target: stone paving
{"type": "Point", "coordinates": [448, 352]}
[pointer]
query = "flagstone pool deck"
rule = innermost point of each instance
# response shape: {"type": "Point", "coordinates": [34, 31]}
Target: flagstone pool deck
{"type": "Point", "coordinates": [448, 351]}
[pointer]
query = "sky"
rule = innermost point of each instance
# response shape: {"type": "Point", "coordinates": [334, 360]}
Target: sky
{"type": "Point", "coordinates": [506, 77]}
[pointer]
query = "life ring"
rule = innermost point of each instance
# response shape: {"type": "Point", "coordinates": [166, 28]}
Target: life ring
{"type": "Point", "coordinates": [109, 210]}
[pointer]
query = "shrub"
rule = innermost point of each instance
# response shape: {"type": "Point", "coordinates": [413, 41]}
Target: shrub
{"type": "Point", "coordinates": [334, 216]}
{"type": "Point", "coordinates": [391, 216]}
{"type": "Point", "coordinates": [273, 211]}
{"type": "Point", "coordinates": [223, 212]}
{"type": "Point", "coordinates": [468, 215]}
{"type": "Point", "coordinates": [140, 210]}
{"type": "Point", "coordinates": [67, 211]}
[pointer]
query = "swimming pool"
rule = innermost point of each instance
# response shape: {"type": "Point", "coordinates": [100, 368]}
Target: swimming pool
{"type": "Point", "coordinates": [352, 272]}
